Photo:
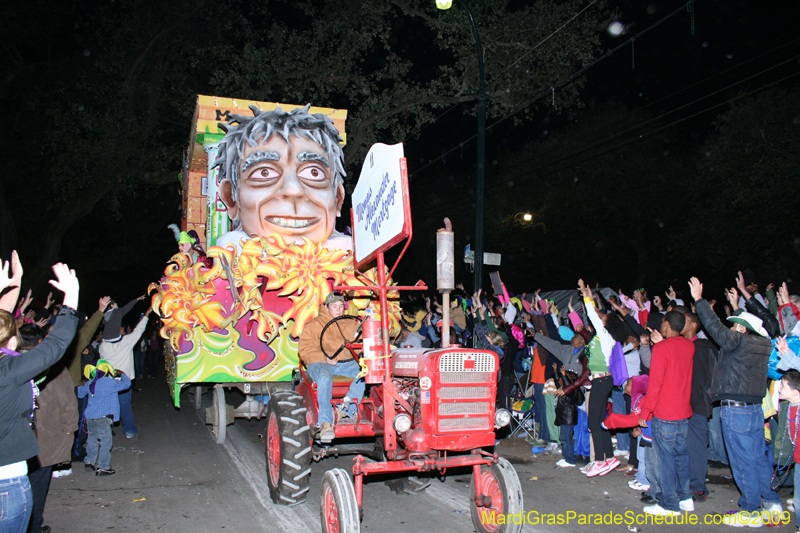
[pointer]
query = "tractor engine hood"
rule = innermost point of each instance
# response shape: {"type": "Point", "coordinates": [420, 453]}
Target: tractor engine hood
{"type": "Point", "coordinates": [406, 361]}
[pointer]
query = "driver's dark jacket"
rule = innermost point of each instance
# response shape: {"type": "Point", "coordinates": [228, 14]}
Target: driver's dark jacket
{"type": "Point", "coordinates": [335, 336]}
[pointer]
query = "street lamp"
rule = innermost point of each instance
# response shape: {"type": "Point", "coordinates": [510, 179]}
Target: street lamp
{"type": "Point", "coordinates": [480, 183]}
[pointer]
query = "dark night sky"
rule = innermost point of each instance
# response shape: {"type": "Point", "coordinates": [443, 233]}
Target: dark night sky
{"type": "Point", "coordinates": [672, 69]}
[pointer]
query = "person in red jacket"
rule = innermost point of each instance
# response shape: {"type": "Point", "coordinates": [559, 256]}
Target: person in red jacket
{"type": "Point", "coordinates": [668, 407]}
{"type": "Point", "coordinates": [790, 392]}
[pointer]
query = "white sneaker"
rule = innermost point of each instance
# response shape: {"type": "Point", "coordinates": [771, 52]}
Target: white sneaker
{"type": "Point", "coordinates": [790, 504]}
{"type": "Point", "coordinates": [742, 519]}
{"type": "Point", "coordinates": [564, 464]}
{"type": "Point", "coordinates": [621, 453]}
{"type": "Point", "coordinates": [62, 473]}
{"type": "Point", "coordinates": [635, 485]}
{"type": "Point", "coordinates": [588, 467]}
{"type": "Point", "coordinates": [687, 505]}
{"type": "Point", "coordinates": [772, 512]}
{"type": "Point", "coordinates": [660, 511]}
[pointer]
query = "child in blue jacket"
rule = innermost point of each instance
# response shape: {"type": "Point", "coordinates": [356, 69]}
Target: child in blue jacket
{"type": "Point", "coordinates": [102, 410]}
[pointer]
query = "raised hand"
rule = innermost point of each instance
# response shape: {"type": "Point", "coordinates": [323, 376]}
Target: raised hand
{"type": "Point", "coordinates": [5, 281]}
{"type": "Point", "coordinates": [102, 303]}
{"type": "Point", "coordinates": [585, 291]}
{"type": "Point", "coordinates": [657, 301]}
{"type": "Point", "coordinates": [742, 286]}
{"type": "Point", "coordinates": [712, 303]}
{"type": "Point", "coordinates": [67, 282]}
{"type": "Point", "coordinates": [770, 286]}
{"type": "Point", "coordinates": [782, 345]}
{"type": "Point", "coordinates": [644, 340]}
{"type": "Point", "coordinates": [733, 298]}
{"type": "Point", "coordinates": [696, 288]}
{"type": "Point", "coordinates": [42, 322]}
{"type": "Point", "coordinates": [783, 294]}
{"type": "Point", "coordinates": [655, 335]}
{"type": "Point", "coordinates": [16, 268]}
{"type": "Point", "coordinates": [671, 293]}
{"type": "Point", "coordinates": [49, 300]}
{"type": "Point", "coordinates": [728, 310]}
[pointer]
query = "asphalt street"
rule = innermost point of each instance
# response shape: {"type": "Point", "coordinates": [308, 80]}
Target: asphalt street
{"type": "Point", "coordinates": [173, 477]}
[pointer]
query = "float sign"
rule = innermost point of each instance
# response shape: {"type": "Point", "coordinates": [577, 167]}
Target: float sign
{"type": "Point", "coordinates": [381, 212]}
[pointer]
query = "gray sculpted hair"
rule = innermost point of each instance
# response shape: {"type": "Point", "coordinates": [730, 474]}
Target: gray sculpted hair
{"type": "Point", "coordinates": [260, 127]}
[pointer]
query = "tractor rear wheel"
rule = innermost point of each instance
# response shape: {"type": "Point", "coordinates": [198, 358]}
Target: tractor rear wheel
{"type": "Point", "coordinates": [338, 506]}
{"type": "Point", "coordinates": [501, 484]}
{"type": "Point", "coordinates": [288, 448]}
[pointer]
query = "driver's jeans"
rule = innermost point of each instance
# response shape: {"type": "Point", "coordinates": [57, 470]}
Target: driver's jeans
{"type": "Point", "coordinates": [322, 374]}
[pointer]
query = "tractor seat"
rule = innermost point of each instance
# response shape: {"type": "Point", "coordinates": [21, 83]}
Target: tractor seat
{"type": "Point", "coordinates": [341, 385]}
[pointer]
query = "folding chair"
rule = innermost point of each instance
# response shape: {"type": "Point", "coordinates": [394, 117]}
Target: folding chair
{"type": "Point", "coordinates": [520, 404]}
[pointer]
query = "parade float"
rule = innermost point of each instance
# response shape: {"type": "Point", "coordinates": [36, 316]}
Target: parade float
{"type": "Point", "coordinates": [236, 323]}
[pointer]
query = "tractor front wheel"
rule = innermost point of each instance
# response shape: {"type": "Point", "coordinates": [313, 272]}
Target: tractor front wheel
{"type": "Point", "coordinates": [288, 448]}
{"type": "Point", "coordinates": [501, 485]}
{"type": "Point", "coordinates": [338, 506]}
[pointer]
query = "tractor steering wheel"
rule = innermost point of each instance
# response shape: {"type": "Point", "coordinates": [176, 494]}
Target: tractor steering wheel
{"type": "Point", "coordinates": [343, 346]}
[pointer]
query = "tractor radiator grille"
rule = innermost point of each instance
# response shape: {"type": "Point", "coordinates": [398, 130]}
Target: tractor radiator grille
{"type": "Point", "coordinates": [466, 377]}
{"type": "Point", "coordinates": [462, 393]}
{"type": "Point", "coordinates": [464, 408]}
{"type": "Point", "coordinates": [468, 361]}
{"type": "Point", "coordinates": [464, 423]}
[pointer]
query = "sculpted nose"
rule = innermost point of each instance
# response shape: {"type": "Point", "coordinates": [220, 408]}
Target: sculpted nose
{"type": "Point", "coordinates": [291, 186]}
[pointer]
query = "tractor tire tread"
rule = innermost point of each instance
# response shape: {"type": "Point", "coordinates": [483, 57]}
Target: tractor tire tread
{"type": "Point", "coordinates": [294, 459]}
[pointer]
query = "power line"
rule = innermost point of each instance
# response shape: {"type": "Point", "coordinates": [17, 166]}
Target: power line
{"type": "Point", "coordinates": [561, 83]}
{"type": "Point", "coordinates": [494, 188]}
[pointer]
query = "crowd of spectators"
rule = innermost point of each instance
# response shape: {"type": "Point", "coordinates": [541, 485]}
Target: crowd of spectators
{"type": "Point", "coordinates": [665, 384]}
{"type": "Point", "coordinates": [59, 391]}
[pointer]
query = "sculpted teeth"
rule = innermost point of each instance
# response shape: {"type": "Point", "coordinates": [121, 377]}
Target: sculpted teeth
{"type": "Point", "coordinates": [290, 222]}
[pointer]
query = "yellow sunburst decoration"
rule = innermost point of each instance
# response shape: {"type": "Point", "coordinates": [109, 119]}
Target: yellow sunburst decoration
{"type": "Point", "coordinates": [274, 290]}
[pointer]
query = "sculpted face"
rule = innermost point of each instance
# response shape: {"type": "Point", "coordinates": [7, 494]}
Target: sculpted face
{"type": "Point", "coordinates": [285, 189]}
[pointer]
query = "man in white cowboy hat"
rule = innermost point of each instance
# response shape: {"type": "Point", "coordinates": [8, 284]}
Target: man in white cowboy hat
{"type": "Point", "coordinates": [739, 384]}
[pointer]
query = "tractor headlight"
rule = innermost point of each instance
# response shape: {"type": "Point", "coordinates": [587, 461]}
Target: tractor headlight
{"type": "Point", "coordinates": [502, 418]}
{"type": "Point", "coordinates": [402, 423]}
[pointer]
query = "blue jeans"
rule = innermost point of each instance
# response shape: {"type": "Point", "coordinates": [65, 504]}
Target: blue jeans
{"type": "Point", "coordinates": [138, 363]}
{"type": "Point", "coordinates": [322, 374]}
{"type": "Point", "coordinates": [716, 447]}
{"type": "Point", "coordinates": [567, 446]}
{"type": "Point", "coordinates": [98, 445]}
{"type": "Point", "coordinates": [698, 453]}
{"type": "Point", "coordinates": [670, 462]}
{"type": "Point", "coordinates": [743, 428]}
{"type": "Point", "coordinates": [16, 503]}
{"type": "Point", "coordinates": [623, 439]}
{"type": "Point", "coordinates": [126, 412]}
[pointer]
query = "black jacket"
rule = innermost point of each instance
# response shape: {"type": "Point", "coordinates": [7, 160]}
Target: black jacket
{"type": "Point", "coordinates": [567, 406]}
{"type": "Point", "coordinates": [17, 440]}
{"type": "Point", "coordinates": [741, 372]}
{"type": "Point", "coordinates": [705, 360]}
{"type": "Point", "coordinates": [768, 320]}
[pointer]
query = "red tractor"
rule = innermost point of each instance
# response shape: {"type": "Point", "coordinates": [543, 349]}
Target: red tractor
{"type": "Point", "coordinates": [427, 410]}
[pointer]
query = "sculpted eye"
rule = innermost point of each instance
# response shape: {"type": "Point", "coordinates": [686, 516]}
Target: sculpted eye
{"type": "Point", "coordinates": [263, 174]}
{"type": "Point", "coordinates": [312, 174]}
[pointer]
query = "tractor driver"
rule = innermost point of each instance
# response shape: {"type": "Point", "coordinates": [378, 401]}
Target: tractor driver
{"type": "Point", "coordinates": [322, 369]}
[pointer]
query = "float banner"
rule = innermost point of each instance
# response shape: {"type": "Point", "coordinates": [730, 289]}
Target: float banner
{"type": "Point", "coordinates": [381, 216]}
